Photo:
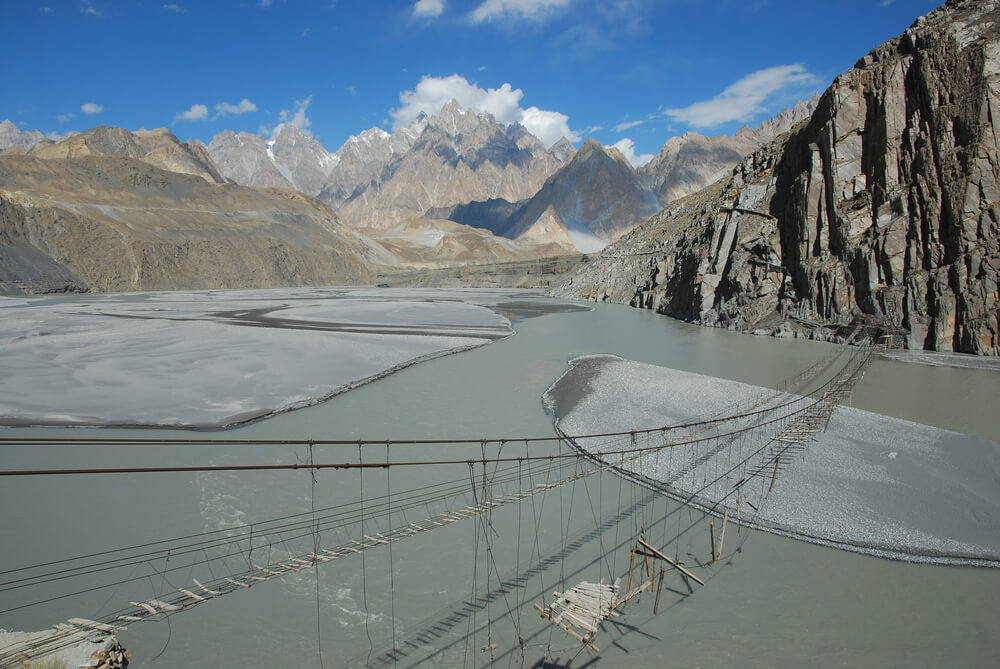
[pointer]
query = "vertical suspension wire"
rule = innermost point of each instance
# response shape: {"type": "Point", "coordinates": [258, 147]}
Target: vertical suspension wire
{"type": "Point", "coordinates": [392, 575]}
{"type": "Point", "coordinates": [316, 542]}
{"type": "Point", "coordinates": [519, 601]}
{"type": "Point", "coordinates": [470, 632]}
{"type": "Point", "coordinates": [486, 520]}
{"type": "Point", "coordinates": [364, 567]}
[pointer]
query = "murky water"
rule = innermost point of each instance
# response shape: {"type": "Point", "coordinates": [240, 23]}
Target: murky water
{"type": "Point", "coordinates": [437, 596]}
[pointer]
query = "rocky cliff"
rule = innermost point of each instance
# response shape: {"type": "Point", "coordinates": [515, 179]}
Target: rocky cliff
{"type": "Point", "coordinates": [111, 223]}
{"type": "Point", "coordinates": [688, 163]}
{"type": "Point", "coordinates": [882, 209]}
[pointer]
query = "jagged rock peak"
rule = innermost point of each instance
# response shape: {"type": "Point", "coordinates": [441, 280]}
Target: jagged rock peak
{"type": "Point", "coordinates": [881, 212]}
{"type": "Point", "coordinates": [591, 200]}
{"type": "Point", "coordinates": [692, 161]}
{"type": "Point", "coordinates": [562, 150]}
{"type": "Point", "coordinates": [12, 138]}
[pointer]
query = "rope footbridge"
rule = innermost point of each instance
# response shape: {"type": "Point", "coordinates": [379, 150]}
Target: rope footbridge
{"type": "Point", "coordinates": [709, 464]}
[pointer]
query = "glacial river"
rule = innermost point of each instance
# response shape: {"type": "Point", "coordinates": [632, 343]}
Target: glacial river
{"type": "Point", "coordinates": [462, 595]}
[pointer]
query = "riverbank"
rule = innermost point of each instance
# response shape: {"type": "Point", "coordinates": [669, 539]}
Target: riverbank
{"type": "Point", "coordinates": [868, 483]}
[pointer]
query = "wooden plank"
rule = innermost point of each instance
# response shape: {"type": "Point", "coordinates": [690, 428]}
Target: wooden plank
{"type": "Point", "coordinates": [164, 606]}
{"type": "Point", "coordinates": [566, 629]}
{"type": "Point", "coordinates": [671, 562]}
{"type": "Point", "coordinates": [143, 605]}
{"type": "Point", "coordinates": [211, 592]}
{"type": "Point", "coordinates": [94, 625]}
{"type": "Point", "coordinates": [193, 596]}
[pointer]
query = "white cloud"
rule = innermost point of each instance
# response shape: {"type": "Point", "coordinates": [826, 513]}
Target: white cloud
{"type": "Point", "coordinates": [627, 147]}
{"type": "Point", "coordinates": [504, 103]}
{"type": "Point", "coordinates": [529, 9]}
{"type": "Point", "coordinates": [353, 90]}
{"type": "Point", "coordinates": [548, 126]}
{"type": "Point", "coordinates": [242, 108]}
{"type": "Point", "coordinates": [46, 10]}
{"type": "Point", "coordinates": [68, 116]}
{"type": "Point", "coordinates": [177, 9]}
{"type": "Point", "coordinates": [91, 108]}
{"type": "Point", "coordinates": [622, 127]}
{"type": "Point", "coordinates": [54, 136]}
{"type": "Point", "coordinates": [296, 116]}
{"type": "Point", "coordinates": [428, 8]}
{"type": "Point", "coordinates": [195, 113]}
{"type": "Point", "coordinates": [88, 8]}
{"type": "Point", "coordinates": [742, 100]}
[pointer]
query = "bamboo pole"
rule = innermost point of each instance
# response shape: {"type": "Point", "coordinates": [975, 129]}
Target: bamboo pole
{"type": "Point", "coordinates": [631, 564]}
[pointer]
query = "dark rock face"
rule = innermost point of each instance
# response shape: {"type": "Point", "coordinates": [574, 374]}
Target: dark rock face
{"type": "Point", "coordinates": [595, 197]}
{"type": "Point", "coordinates": [883, 209]}
{"type": "Point", "coordinates": [493, 215]}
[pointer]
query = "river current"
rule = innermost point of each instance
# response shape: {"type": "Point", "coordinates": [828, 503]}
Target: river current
{"type": "Point", "coordinates": [462, 595]}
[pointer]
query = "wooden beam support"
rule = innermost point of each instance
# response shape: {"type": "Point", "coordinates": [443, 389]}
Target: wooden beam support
{"type": "Point", "coordinates": [672, 562]}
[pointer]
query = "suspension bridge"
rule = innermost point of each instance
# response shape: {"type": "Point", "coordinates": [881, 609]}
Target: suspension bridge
{"type": "Point", "coordinates": [723, 465]}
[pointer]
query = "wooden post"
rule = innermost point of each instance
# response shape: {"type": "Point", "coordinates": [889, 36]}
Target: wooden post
{"type": "Point", "coordinates": [722, 534]}
{"type": "Point", "coordinates": [774, 476]}
{"type": "Point", "coordinates": [659, 589]}
{"type": "Point", "coordinates": [711, 538]}
{"type": "Point", "coordinates": [672, 562]}
{"type": "Point", "coordinates": [631, 564]}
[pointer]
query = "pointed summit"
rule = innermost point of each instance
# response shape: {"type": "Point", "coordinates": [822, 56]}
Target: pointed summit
{"type": "Point", "coordinates": [595, 197]}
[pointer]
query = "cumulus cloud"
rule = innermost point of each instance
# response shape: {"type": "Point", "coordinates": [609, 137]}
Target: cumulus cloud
{"type": "Point", "coordinates": [68, 116]}
{"type": "Point", "coordinates": [622, 127]}
{"type": "Point", "coordinates": [91, 108]}
{"type": "Point", "coordinates": [54, 136]}
{"type": "Point", "coordinates": [296, 116]}
{"type": "Point", "coordinates": [742, 100]}
{"type": "Point", "coordinates": [195, 113]}
{"type": "Point", "coordinates": [627, 147]}
{"type": "Point", "coordinates": [528, 9]}
{"type": "Point", "coordinates": [242, 108]}
{"type": "Point", "coordinates": [87, 7]}
{"type": "Point", "coordinates": [177, 9]}
{"type": "Point", "coordinates": [504, 103]}
{"type": "Point", "coordinates": [428, 8]}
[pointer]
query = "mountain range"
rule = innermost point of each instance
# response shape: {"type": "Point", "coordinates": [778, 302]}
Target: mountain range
{"type": "Point", "coordinates": [441, 167]}
{"type": "Point", "coordinates": [871, 208]}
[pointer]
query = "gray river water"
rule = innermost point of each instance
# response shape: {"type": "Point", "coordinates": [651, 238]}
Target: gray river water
{"type": "Point", "coordinates": [770, 602]}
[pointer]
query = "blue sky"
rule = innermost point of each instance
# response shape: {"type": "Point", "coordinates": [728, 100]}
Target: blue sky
{"type": "Point", "coordinates": [632, 72]}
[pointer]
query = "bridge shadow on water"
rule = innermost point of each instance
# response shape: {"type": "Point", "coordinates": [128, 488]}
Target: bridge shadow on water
{"type": "Point", "coordinates": [534, 649]}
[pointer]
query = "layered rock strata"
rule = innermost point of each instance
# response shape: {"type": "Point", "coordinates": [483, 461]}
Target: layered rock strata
{"type": "Point", "coordinates": [883, 209]}
{"type": "Point", "coordinates": [119, 224]}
